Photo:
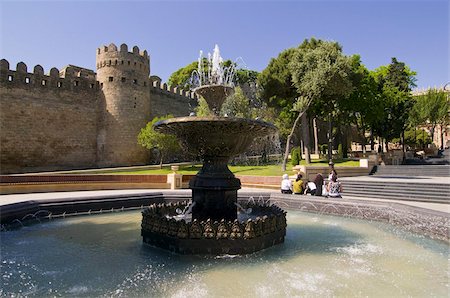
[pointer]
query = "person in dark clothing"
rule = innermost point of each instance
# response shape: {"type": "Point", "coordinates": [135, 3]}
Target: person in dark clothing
{"type": "Point", "coordinates": [318, 181]}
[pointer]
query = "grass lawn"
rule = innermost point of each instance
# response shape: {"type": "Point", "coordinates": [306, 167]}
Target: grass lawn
{"type": "Point", "coordinates": [268, 170]}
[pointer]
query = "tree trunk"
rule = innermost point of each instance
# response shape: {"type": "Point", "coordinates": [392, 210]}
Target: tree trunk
{"type": "Point", "coordinates": [330, 138]}
{"type": "Point", "coordinates": [316, 139]}
{"type": "Point", "coordinates": [402, 136]}
{"type": "Point", "coordinates": [442, 136]}
{"type": "Point", "coordinates": [161, 162]}
{"type": "Point", "coordinates": [372, 141]}
{"type": "Point", "coordinates": [363, 132]}
{"type": "Point", "coordinates": [288, 141]}
{"type": "Point", "coordinates": [306, 138]}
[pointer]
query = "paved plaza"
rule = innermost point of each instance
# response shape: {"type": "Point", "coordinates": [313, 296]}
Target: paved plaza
{"type": "Point", "coordinates": [57, 196]}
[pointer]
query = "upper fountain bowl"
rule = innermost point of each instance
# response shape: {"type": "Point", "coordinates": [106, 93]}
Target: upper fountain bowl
{"type": "Point", "coordinates": [215, 136]}
{"type": "Point", "coordinates": [214, 95]}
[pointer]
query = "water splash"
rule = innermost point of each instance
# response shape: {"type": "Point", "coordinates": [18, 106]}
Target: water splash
{"type": "Point", "coordinates": [213, 71]}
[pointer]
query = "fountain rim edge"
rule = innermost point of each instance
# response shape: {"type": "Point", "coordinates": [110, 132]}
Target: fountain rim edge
{"type": "Point", "coordinates": [221, 119]}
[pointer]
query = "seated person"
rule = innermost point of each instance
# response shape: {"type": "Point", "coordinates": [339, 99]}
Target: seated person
{"type": "Point", "coordinates": [298, 187]}
{"type": "Point", "coordinates": [334, 188]}
{"type": "Point", "coordinates": [286, 185]}
{"type": "Point", "coordinates": [311, 188]}
{"type": "Point", "coordinates": [319, 184]}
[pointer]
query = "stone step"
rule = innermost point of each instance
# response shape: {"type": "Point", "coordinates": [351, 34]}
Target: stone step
{"type": "Point", "coordinates": [431, 199]}
{"type": "Point", "coordinates": [406, 186]}
{"type": "Point", "coordinates": [413, 170]}
{"type": "Point", "coordinates": [397, 190]}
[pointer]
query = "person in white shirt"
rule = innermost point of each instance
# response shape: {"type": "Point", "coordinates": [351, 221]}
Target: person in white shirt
{"type": "Point", "coordinates": [286, 185]}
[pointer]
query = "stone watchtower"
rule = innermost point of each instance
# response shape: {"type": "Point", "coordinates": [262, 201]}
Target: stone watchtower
{"type": "Point", "coordinates": [124, 87]}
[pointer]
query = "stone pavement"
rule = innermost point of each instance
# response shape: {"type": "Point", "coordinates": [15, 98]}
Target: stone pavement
{"type": "Point", "coordinates": [17, 198]}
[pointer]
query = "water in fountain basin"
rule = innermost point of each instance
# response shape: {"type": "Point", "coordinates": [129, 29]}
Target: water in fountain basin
{"type": "Point", "coordinates": [321, 256]}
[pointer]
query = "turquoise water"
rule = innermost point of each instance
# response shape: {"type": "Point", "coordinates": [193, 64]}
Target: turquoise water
{"type": "Point", "coordinates": [323, 256]}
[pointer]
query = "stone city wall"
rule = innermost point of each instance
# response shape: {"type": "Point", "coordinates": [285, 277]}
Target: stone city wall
{"type": "Point", "coordinates": [170, 100]}
{"type": "Point", "coordinates": [47, 122]}
{"type": "Point", "coordinates": [74, 118]}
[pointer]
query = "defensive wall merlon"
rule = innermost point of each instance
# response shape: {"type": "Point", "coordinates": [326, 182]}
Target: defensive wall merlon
{"type": "Point", "coordinates": [158, 87]}
{"type": "Point", "coordinates": [71, 78]}
{"type": "Point", "coordinates": [75, 78]}
{"type": "Point", "coordinates": [122, 59]}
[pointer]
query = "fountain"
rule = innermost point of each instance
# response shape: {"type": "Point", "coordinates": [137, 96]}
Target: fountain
{"type": "Point", "coordinates": [215, 227]}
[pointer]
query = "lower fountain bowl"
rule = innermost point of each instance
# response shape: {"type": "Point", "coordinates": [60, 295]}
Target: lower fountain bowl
{"type": "Point", "coordinates": [261, 228]}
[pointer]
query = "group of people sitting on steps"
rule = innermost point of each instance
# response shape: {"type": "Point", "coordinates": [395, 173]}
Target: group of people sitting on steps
{"type": "Point", "coordinates": [318, 187]}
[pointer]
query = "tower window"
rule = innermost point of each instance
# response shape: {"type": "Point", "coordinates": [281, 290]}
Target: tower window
{"type": "Point", "coordinates": [129, 62]}
{"type": "Point", "coordinates": [76, 83]}
{"type": "Point", "coordinates": [10, 78]}
{"type": "Point", "coordinates": [110, 79]}
{"type": "Point", "coordinates": [91, 86]}
{"type": "Point", "coordinates": [59, 84]}
{"type": "Point", "coordinates": [44, 82]}
{"type": "Point", "coordinates": [123, 79]}
{"type": "Point", "coordinates": [101, 85]}
{"type": "Point", "coordinates": [135, 81]}
{"type": "Point", "coordinates": [121, 62]}
{"type": "Point", "coordinates": [145, 84]}
{"type": "Point", "coordinates": [27, 80]}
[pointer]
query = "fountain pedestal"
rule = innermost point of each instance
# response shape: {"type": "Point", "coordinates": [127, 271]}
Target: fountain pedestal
{"type": "Point", "coordinates": [214, 191]}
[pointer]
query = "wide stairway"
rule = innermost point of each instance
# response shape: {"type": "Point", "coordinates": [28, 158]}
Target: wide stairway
{"type": "Point", "coordinates": [414, 183]}
{"type": "Point", "coordinates": [414, 170]}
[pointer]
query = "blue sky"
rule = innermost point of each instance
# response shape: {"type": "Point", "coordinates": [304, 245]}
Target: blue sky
{"type": "Point", "coordinates": [56, 33]}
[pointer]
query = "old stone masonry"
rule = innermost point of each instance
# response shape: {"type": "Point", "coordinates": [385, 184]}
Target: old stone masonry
{"type": "Point", "coordinates": [75, 118]}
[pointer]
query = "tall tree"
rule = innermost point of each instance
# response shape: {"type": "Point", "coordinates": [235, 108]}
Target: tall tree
{"type": "Point", "coordinates": [321, 73]}
{"type": "Point", "coordinates": [363, 106]}
{"type": "Point", "coordinates": [394, 83]}
{"type": "Point", "coordinates": [432, 108]}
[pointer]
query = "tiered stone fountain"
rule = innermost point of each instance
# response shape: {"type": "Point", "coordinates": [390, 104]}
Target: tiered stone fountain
{"type": "Point", "coordinates": [215, 225]}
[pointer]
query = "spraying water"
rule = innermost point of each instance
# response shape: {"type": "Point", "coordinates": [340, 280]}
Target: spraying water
{"type": "Point", "coordinates": [212, 71]}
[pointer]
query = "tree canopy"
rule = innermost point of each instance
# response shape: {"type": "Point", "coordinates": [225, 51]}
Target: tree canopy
{"type": "Point", "coordinates": [166, 144]}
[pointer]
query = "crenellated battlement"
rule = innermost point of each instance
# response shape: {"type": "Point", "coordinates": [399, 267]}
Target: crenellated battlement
{"type": "Point", "coordinates": [158, 86]}
{"type": "Point", "coordinates": [121, 58]}
{"type": "Point", "coordinates": [73, 117]}
{"type": "Point", "coordinates": [71, 77]}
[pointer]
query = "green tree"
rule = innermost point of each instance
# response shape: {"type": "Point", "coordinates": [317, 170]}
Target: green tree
{"type": "Point", "coordinates": [363, 107]}
{"type": "Point", "coordinates": [394, 83]}
{"type": "Point", "coordinates": [182, 76]}
{"type": "Point", "coordinates": [202, 109]}
{"type": "Point", "coordinates": [276, 89]}
{"type": "Point", "coordinates": [237, 105]}
{"type": "Point", "coordinates": [166, 144]}
{"type": "Point", "coordinates": [432, 108]}
{"type": "Point", "coordinates": [275, 82]}
{"type": "Point", "coordinates": [320, 73]}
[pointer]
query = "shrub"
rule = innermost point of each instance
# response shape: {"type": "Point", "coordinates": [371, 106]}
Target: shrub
{"type": "Point", "coordinates": [296, 156]}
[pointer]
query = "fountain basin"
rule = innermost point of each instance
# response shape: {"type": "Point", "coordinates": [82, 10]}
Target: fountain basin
{"type": "Point", "coordinates": [261, 228]}
{"type": "Point", "coordinates": [322, 256]}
